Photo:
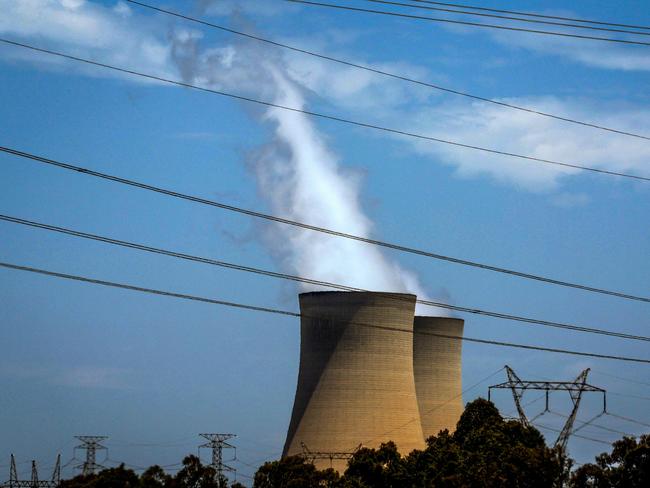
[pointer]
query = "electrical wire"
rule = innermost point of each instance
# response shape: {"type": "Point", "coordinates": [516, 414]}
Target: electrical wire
{"type": "Point", "coordinates": [622, 378]}
{"type": "Point", "coordinates": [592, 439]}
{"type": "Point", "coordinates": [299, 315]}
{"type": "Point", "coordinates": [437, 407]}
{"type": "Point", "coordinates": [386, 73]}
{"type": "Point", "coordinates": [591, 424]}
{"type": "Point", "coordinates": [471, 24]}
{"type": "Point", "coordinates": [325, 116]}
{"type": "Point", "coordinates": [628, 419]}
{"type": "Point", "coordinates": [530, 14]}
{"type": "Point", "coordinates": [326, 284]}
{"type": "Point", "coordinates": [251, 213]}
{"type": "Point", "coordinates": [505, 17]}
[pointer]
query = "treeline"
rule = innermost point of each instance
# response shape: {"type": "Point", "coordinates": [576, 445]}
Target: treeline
{"type": "Point", "coordinates": [484, 451]}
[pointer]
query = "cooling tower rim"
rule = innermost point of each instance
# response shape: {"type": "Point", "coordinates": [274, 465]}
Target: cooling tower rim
{"type": "Point", "coordinates": [437, 317]}
{"type": "Point", "coordinates": [386, 294]}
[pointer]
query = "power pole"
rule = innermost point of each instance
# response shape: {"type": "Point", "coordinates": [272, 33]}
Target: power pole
{"type": "Point", "coordinates": [575, 389]}
{"type": "Point", "coordinates": [217, 443]}
{"type": "Point", "coordinates": [13, 473]}
{"type": "Point", "coordinates": [56, 473]}
{"type": "Point", "coordinates": [34, 474]}
{"type": "Point", "coordinates": [91, 444]}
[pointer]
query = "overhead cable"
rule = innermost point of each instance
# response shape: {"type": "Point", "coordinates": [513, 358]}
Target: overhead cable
{"type": "Point", "coordinates": [531, 14]}
{"type": "Point", "coordinates": [326, 284]}
{"type": "Point", "coordinates": [505, 17]}
{"type": "Point", "coordinates": [299, 315]}
{"type": "Point", "coordinates": [628, 419]}
{"type": "Point", "coordinates": [325, 116]}
{"type": "Point", "coordinates": [472, 24]}
{"type": "Point", "coordinates": [302, 225]}
{"type": "Point", "coordinates": [386, 73]}
{"type": "Point", "coordinates": [592, 439]}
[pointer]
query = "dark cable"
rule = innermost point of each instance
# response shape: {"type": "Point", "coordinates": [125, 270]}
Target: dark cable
{"type": "Point", "coordinates": [627, 419]}
{"type": "Point", "coordinates": [591, 424]}
{"type": "Point", "coordinates": [386, 73]}
{"type": "Point", "coordinates": [473, 24]}
{"type": "Point", "coordinates": [314, 228]}
{"type": "Point", "coordinates": [299, 315]}
{"type": "Point", "coordinates": [273, 274]}
{"type": "Point", "coordinates": [518, 19]}
{"type": "Point", "coordinates": [530, 14]}
{"type": "Point", "coordinates": [600, 441]}
{"type": "Point", "coordinates": [327, 117]}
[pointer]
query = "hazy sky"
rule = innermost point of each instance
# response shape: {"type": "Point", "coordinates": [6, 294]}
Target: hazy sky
{"type": "Point", "coordinates": [153, 372]}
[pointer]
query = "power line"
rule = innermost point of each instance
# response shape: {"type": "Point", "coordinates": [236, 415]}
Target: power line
{"type": "Point", "coordinates": [314, 228]}
{"type": "Point", "coordinates": [505, 17]}
{"type": "Point", "coordinates": [530, 14]}
{"type": "Point", "coordinates": [327, 284]}
{"type": "Point", "coordinates": [387, 73]}
{"type": "Point", "coordinates": [592, 439]}
{"type": "Point", "coordinates": [325, 116]}
{"type": "Point", "coordinates": [628, 419]}
{"type": "Point", "coordinates": [472, 24]}
{"type": "Point", "coordinates": [622, 378]}
{"type": "Point", "coordinates": [299, 315]}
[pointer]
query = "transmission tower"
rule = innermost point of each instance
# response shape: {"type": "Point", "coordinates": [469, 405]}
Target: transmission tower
{"type": "Point", "coordinates": [575, 389]}
{"type": "Point", "coordinates": [33, 482]}
{"type": "Point", "coordinates": [311, 456]}
{"type": "Point", "coordinates": [91, 444]}
{"type": "Point", "coordinates": [218, 442]}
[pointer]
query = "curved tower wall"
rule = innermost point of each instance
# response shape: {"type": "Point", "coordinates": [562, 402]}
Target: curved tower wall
{"type": "Point", "coordinates": [437, 369]}
{"type": "Point", "coordinates": [355, 383]}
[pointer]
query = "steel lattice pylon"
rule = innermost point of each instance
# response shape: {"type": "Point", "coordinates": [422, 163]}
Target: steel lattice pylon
{"type": "Point", "coordinates": [575, 389]}
{"type": "Point", "coordinates": [91, 444]}
{"type": "Point", "coordinates": [218, 442]}
{"type": "Point", "coordinates": [311, 456]}
{"type": "Point", "coordinates": [33, 482]}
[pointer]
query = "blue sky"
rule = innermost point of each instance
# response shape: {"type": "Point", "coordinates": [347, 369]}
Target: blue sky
{"type": "Point", "coordinates": [79, 359]}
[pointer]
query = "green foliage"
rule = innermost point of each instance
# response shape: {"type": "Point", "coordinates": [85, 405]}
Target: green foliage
{"type": "Point", "coordinates": [627, 466]}
{"type": "Point", "coordinates": [108, 478]}
{"type": "Point", "coordinates": [293, 472]}
{"type": "Point", "coordinates": [484, 451]}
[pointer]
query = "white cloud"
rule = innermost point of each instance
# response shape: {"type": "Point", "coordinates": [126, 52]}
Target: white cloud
{"type": "Point", "coordinates": [594, 53]}
{"type": "Point", "coordinates": [88, 29]}
{"type": "Point", "coordinates": [111, 34]}
{"type": "Point", "coordinates": [519, 132]}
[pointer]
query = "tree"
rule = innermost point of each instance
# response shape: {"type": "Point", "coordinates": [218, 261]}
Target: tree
{"type": "Point", "coordinates": [119, 477]}
{"type": "Point", "coordinates": [485, 450]}
{"type": "Point", "coordinates": [628, 466]}
{"type": "Point", "coordinates": [293, 472]}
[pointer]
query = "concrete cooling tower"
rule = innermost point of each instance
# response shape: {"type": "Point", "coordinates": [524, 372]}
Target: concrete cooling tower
{"type": "Point", "coordinates": [437, 369]}
{"type": "Point", "coordinates": [355, 383]}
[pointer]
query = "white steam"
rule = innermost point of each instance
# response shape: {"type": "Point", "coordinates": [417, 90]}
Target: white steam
{"type": "Point", "coordinates": [300, 177]}
{"type": "Point", "coordinates": [303, 181]}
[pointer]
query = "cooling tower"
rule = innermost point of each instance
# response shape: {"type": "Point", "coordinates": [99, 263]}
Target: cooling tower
{"type": "Point", "coordinates": [437, 369]}
{"type": "Point", "coordinates": [355, 383]}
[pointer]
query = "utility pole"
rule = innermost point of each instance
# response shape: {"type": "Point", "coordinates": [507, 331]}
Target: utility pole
{"type": "Point", "coordinates": [217, 443]}
{"type": "Point", "coordinates": [13, 473]}
{"type": "Point", "coordinates": [56, 474]}
{"type": "Point", "coordinates": [575, 389]}
{"type": "Point", "coordinates": [91, 444]}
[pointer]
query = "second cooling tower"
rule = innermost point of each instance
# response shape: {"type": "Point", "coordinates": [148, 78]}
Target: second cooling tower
{"type": "Point", "coordinates": [437, 368]}
{"type": "Point", "coordinates": [356, 383]}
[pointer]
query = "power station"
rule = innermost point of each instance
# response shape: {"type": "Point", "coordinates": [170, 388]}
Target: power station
{"type": "Point", "coordinates": [370, 372]}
